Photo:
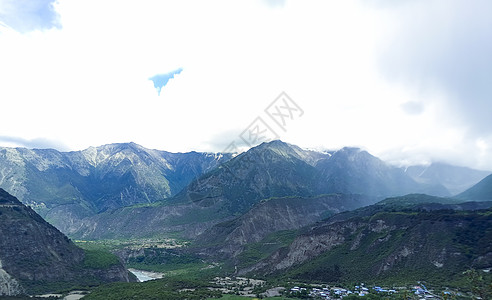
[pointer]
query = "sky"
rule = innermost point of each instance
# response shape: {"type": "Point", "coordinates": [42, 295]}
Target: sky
{"type": "Point", "coordinates": [410, 81]}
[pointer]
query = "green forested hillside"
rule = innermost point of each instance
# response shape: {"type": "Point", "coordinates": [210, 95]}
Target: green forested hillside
{"type": "Point", "coordinates": [389, 245]}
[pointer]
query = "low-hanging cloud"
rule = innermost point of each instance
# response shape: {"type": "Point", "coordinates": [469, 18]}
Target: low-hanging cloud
{"type": "Point", "coordinates": [29, 15]}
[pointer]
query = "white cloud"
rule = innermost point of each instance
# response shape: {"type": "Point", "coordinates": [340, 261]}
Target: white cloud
{"type": "Point", "coordinates": [86, 83]}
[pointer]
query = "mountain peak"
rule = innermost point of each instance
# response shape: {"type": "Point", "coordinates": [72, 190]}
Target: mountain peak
{"type": "Point", "coordinates": [274, 144]}
{"type": "Point", "coordinates": [351, 150]}
{"type": "Point", "coordinates": [356, 154]}
{"type": "Point", "coordinates": [282, 149]}
{"type": "Point", "coordinates": [121, 146]}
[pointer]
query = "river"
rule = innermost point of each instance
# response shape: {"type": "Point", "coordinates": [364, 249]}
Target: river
{"type": "Point", "coordinates": [146, 275]}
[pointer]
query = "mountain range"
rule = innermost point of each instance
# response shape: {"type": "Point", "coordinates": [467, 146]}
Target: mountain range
{"type": "Point", "coordinates": [125, 190]}
{"type": "Point", "coordinates": [274, 169]}
{"type": "Point", "coordinates": [64, 187]}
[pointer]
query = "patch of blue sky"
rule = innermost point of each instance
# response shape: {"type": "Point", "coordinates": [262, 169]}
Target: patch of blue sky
{"type": "Point", "coordinates": [160, 80]}
{"type": "Point", "coordinates": [29, 15]}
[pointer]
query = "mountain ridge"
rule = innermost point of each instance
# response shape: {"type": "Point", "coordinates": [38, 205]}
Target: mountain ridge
{"type": "Point", "coordinates": [67, 186]}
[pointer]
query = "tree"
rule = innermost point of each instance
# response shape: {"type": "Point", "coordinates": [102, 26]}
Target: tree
{"type": "Point", "coordinates": [479, 286]}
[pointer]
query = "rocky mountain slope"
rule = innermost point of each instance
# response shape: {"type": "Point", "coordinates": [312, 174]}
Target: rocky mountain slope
{"type": "Point", "coordinates": [34, 255]}
{"type": "Point", "coordinates": [413, 242]}
{"type": "Point", "coordinates": [67, 186]}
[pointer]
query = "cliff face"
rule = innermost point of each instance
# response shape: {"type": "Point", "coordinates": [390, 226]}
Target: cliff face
{"type": "Point", "coordinates": [32, 252]}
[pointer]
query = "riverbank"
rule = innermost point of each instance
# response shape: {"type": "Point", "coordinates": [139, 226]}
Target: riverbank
{"type": "Point", "coordinates": [146, 275]}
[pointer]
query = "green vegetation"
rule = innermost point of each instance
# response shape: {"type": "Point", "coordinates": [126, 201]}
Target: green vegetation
{"type": "Point", "coordinates": [119, 244]}
{"type": "Point", "coordinates": [413, 200]}
{"type": "Point", "coordinates": [234, 297]}
{"type": "Point", "coordinates": [155, 290]}
{"type": "Point", "coordinates": [25, 297]}
{"type": "Point", "coordinates": [185, 269]}
{"type": "Point", "coordinates": [480, 283]}
{"type": "Point", "coordinates": [99, 259]}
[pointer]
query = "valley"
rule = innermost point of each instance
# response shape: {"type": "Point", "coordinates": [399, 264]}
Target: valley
{"type": "Point", "coordinates": [275, 221]}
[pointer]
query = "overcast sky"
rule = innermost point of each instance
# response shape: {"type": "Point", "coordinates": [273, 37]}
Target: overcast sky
{"type": "Point", "coordinates": [410, 80]}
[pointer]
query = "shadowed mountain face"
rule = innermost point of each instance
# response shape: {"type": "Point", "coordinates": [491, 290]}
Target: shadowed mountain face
{"type": "Point", "coordinates": [34, 253]}
{"type": "Point", "coordinates": [67, 186]}
{"type": "Point", "coordinates": [402, 239]}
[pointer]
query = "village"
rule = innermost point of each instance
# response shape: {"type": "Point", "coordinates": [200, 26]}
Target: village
{"type": "Point", "coordinates": [418, 292]}
{"type": "Point", "coordinates": [257, 288]}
